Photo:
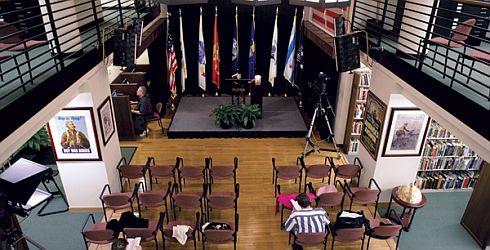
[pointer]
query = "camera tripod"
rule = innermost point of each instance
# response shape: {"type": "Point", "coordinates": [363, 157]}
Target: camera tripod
{"type": "Point", "coordinates": [320, 111]}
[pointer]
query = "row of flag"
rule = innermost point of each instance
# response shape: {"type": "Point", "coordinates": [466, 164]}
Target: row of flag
{"type": "Point", "coordinates": [289, 69]}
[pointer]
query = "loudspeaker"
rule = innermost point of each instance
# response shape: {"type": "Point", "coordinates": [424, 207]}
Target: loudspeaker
{"type": "Point", "coordinates": [120, 37]}
{"type": "Point", "coordinates": [347, 52]}
{"type": "Point", "coordinates": [21, 179]}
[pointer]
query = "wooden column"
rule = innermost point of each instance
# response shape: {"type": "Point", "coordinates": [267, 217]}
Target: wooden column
{"type": "Point", "coordinates": [476, 219]}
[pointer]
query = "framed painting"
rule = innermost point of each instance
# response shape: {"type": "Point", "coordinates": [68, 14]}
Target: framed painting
{"type": "Point", "coordinates": [73, 135]}
{"type": "Point", "coordinates": [106, 120]}
{"type": "Point", "coordinates": [406, 132]}
{"type": "Point", "coordinates": [373, 124]}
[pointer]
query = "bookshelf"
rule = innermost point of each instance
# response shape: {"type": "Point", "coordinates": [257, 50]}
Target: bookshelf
{"type": "Point", "coordinates": [447, 163]}
{"type": "Point", "coordinates": [357, 108]}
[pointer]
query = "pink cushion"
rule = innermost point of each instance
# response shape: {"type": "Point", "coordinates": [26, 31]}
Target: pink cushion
{"type": "Point", "coordinates": [326, 189]}
{"type": "Point", "coordinates": [446, 42]}
{"type": "Point", "coordinates": [480, 55]}
{"type": "Point", "coordinates": [285, 200]}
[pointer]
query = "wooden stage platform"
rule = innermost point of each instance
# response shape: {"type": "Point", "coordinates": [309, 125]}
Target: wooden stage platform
{"type": "Point", "coordinates": [280, 118]}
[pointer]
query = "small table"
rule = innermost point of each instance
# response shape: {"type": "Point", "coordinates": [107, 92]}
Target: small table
{"type": "Point", "coordinates": [406, 216]}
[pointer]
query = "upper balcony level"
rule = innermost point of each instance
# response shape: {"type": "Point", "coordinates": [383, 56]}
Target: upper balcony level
{"type": "Point", "coordinates": [46, 46]}
{"type": "Point", "coordinates": [441, 48]}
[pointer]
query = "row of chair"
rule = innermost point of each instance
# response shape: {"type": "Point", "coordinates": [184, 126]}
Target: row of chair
{"type": "Point", "coordinates": [381, 228]}
{"type": "Point", "coordinates": [178, 172]}
{"type": "Point", "coordinates": [315, 171]}
{"type": "Point", "coordinates": [99, 234]}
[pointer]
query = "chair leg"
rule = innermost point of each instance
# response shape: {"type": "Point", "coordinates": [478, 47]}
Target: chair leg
{"type": "Point", "coordinates": [445, 64]}
{"type": "Point", "coordinates": [471, 70]}
{"type": "Point", "coordinates": [282, 216]}
{"type": "Point", "coordinates": [203, 247]}
{"type": "Point", "coordinates": [369, 239]}
{"type": "Point", "coordinates": [362, 243]}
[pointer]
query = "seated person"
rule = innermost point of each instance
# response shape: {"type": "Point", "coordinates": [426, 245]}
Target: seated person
{"type": "Point", "coordinates": [306, 219]}
{"type": "Point", "coordinates": [143, 111]}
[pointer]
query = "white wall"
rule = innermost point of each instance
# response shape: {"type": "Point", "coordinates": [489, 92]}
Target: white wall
{"type": "Point", "coordinates": [82, 181]}
{"type": "Point", "coordinates": [393, 171]}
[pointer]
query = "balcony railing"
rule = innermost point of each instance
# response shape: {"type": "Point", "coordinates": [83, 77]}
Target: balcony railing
{"type": "Point", "coordinates": [38, 41]}
{"type": "Point", "coordinates": [448, 40]}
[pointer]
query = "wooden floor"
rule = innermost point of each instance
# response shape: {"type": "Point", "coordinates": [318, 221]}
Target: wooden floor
{"type": "Point", "coordinates": [259, 225]}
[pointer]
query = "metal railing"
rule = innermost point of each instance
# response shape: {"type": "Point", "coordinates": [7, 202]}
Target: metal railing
{"type": "Point", "coordinates": [38, 40]}
{"type": "Point", "coordinates": [433, 37]}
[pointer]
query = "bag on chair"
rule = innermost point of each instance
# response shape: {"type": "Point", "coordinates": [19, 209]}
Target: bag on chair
{"type": "Point", "coordinates": [349, 219]}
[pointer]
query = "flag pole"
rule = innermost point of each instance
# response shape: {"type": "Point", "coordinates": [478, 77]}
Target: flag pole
{"type": "Point", "coordinates": [216, 16]}
{"type": "Point", "coordinates": [253, 23]}
{"type": "Point", "coordinates": [274, 36]}
{"type": "Point", "coordinates": [293, 34]}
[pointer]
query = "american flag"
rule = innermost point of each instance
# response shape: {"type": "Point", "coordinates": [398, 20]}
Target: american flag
{"type": "Point", "coordinates": [172, 65]}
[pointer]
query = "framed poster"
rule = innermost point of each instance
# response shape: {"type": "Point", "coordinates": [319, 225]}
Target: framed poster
{"type": "Point", "coordinates": [106, 120]}
{"type": "Point", "coordinates": [73, 135]}
{"type": "Point", "coordinates": [406, 132]}
{"type": "Point", "coordinates": [373, 124]}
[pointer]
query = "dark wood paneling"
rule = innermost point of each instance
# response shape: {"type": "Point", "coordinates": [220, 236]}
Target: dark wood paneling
{"type": "Point", "coordinates": [124, 119]}
{"type": "Point", "coordinates": [476, 218]}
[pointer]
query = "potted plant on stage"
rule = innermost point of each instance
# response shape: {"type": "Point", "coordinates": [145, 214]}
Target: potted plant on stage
{"type": "Point", "coordinates": [249, 114]}
{"type": "Point", "coordinates": [226, 115]}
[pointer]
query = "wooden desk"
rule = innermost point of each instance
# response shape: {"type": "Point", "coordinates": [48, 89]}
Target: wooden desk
{"type": "Point", "coordinates": [406, 216]}
{"type": "Point", "coordinates": [124, 118]}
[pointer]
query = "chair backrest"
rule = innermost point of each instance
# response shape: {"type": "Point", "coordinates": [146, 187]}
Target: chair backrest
{"type": "Point", "coordinates": [99, 236]}
{"type": "Point", "coordinates": [116, 200]}
{"type": "Point", "coordinates": [132, 171]}
{"type": "Point", "coordinates": [9, 33]}
{"type": "Point", "coordinates": [461, 32]}
{"type": "Point", "coordinates": [158, 108]}
{"type": "Point", "coordinates": [349, 234]}
{"type": "Point", "coordinates": [386, 230]}
{"type": "Point", "coordinates": [311, 238]}
{"type": "Point", "coordinates": [331, 199]}
{"type": "Point", "coordinates": [348, 170]}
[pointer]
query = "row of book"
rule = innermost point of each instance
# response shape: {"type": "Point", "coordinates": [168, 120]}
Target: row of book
{"type": "Point", "coordinates": [436, 131]}
{"type": "Point", "coordinates": [356, 127]}
{"type": "Point", "coordinates": [365, 79]}
{"type": "Point", "coordinates": [471, 163]}
{"type": "Point", "coordinates": [446, 180]}
{"type": "Point", "coordinates": [354, 146]}
{"type": "Point", "coordinates": [363, 93]}
{"type": "Point", "coordinates": [359, 112]}
{"type": "Point", "coordinates": [446, 148]}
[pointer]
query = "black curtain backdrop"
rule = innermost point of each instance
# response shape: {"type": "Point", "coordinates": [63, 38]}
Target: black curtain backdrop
{"type": "Point", "coordinates": [315, 59]}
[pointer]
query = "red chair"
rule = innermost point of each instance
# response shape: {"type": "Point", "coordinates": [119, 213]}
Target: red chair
{"type": "Point", "coordinates": [187, 199]}
{"type": "Point", "coordinates": [474, 55]}
{"type": "Point", "coordinates": [285, 173]}
{"type": "Point", "coordinates": [97, 234]}
{"type": "Point", "coordinates": [156, 116]}
{"type": "Point", "coordinates": [312, 239]}
{"type": "Point", "coordinates": [191, 233]}
{"type": "Point", "coordinates": [221, 172]}
{"type": "Point", "coordinates": [347, 235]}
{"type": "Point", "coordinates": [152, 199]}
{"type": "Point", "coordinates": [131, 172]}
{"type": "Point", "coordinates": [222, 200]}
{"type": "Point", "coordinates": [328, 199]}
{"type": "Point", "coordinates": [115, 201]}
{"type": "Point", "coordinates": [11, 39]}
{"type": "Point", "coordinates": [147, 234]}
{"type": "Point", "coordinates": [191, 173]}
{"type": "Point", "coordinates": [316, 171]}
{"type": "Point", "coordinates": [457, 38]}
{"type": "Point", "coordinates": [364, 195]}
{"type": "Point", "coordinates": [222, 236]}
{"type": "Point", "coordinates": [347, 171]}
{"type": "Point", "coordinates": [161, 171]}
{"type": "Point", "coordinates": [383, 228]}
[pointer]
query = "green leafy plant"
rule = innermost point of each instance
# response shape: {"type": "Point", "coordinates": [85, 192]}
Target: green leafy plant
{"type": "Point", "coordinates": [38, 140]}
{"type": "Point", "coordinates": [226, 115]}
{"type": "Point", "coordinates": [249, 114]}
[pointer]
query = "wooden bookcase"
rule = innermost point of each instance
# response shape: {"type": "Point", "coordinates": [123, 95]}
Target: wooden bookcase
{"type": "Point", "coordinates": [447, 163]}
{"type": "Point", "coordinates": [357, 109]}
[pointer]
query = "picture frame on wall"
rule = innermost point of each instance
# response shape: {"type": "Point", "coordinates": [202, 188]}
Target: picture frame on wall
{"type": "Point", "coordinates": [406, 132]}
{"type": "Point", "coordinates": [73, 135]}
{"type": "Point", "coordinates": [373, 124]}
{"type": "Point", "coordinates": [106, 120]}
